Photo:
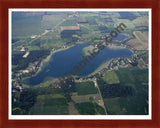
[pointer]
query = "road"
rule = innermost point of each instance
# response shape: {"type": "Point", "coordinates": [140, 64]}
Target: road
{"type": "Point", "coordinates": [95, 82]}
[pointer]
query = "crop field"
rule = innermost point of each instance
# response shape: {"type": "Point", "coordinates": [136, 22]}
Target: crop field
{"type": "Point", "coordinates": [141, 41]}
{"type": "Point", "coordinates": [50, 21]}
{"type": "Point", "coordinates": [50, 105]}
{"type": "Point", "coordinates": [127, 15]}
{"type": "Point", "coordinates": [127, 22]}
{"type": "Point", "coordinates": [113, 106]}
{"type": "Point", "coordinates": [35, 25]}
{"type": "Point", "coordinates": [84, 88]}
{"type": "Point", "coordinates": [134, 104]}
{"type": "Point", "coordinates": [111, 78]}
{"type": "Point", "coordinates": [71, 22]}
{"type": "Point", "coordinates": [86, 98]}
{"type": "Point", "coordinates": [141, 36]}
{"type": "Point", "coordinates": [141, 21]}
{"type": "Point", "coordinates": [89, 108]}
{"type": "Point", "coordinates": [72, 109]}
{"type": "Point", "coordinates": [25, 26]}
{"type": "Point", "coordinates": [48, 41]}
{"type": "Point", "coordinates": [132, 75]}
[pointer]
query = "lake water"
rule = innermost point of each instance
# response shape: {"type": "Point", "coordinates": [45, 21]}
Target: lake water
{"type": "Point", "coordinates": [64, 61]}
{"type": "Point", "coordinates": [120, 37]}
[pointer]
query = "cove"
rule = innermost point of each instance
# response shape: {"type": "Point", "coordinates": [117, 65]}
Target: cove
{"type": "Point", "coordinates": [120, 37]}
{"type": "Point", "coordinates": [64, 61]}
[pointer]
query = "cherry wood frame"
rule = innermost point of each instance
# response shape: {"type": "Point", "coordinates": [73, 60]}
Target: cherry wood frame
{"type": "Point", "coordinates": [6, 4]}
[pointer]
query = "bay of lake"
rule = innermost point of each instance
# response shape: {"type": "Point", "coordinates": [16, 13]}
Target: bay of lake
{"type": "Point", "coordinates": [63, 61]}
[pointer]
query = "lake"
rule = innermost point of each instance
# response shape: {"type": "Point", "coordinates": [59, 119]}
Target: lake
{"type": "Point", "coordinates": [120, 37]}
{"type": "Point", "coordinates": [64, 61]}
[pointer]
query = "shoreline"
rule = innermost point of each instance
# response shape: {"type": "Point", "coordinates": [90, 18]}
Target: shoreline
{"type": "Point", "coordinates": [102, 66]}
{"type": "Point", "coordinates": [47, 59]}
{"type": "Point", "coordinates": [116, 47]}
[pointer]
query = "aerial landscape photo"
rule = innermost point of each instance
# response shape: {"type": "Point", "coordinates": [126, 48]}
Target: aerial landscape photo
{"type": "Point", "coordinates": [79, 62]}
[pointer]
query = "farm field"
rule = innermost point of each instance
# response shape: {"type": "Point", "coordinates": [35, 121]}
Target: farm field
{"type": "Point", "coordinates": [141, 41]}
{"type": "Point", "coordinates": [134, 88]}
{"type": "Point", "coordinates": [84, 88]}
{"type": "Point", "coordinates": [111, 78]}
{"type": "Point", "coordinates": [50, 105]}
{"type": "Point", "coordinates": [89, 108]}
{"type": "Point", "coordinates": [141, 21]}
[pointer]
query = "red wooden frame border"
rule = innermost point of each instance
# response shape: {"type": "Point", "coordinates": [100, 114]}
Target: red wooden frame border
{"type": "Point", "coordinates": [6, 4]}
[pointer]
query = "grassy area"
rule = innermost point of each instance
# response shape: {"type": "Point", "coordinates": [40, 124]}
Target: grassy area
{"type": "Point", "coordinates": [144, 55]}
{"type": "Point", "coordinates": [132, 75]}
{"type": "Point", "coordinates": [126, 105]}
{"type": "Point", "coordinates": [127, 22]}
{"type": "Point", "coordinates": [50, 110]}
{"type": "Point", "coordinates": [135, 83]}
{"type": "Point", "coordinates": [111, 78]}
{"type": "Point", "coordinates": [50, 21]}
{"type": "Point", "coordinates": [71, 22]}
{"type": "Point", "coordinates": [48, 41]}
{"type": "Point", "coordinates": [86, 98]}
{"type": "Point", "coordinates": [86, 49]}
{"type": "Point", "coordinates": [34, 25]}
{"type": "Point", "coordinates": [141, 21]}
{"type": "Point", "coordinates": [141, 40]}
{"type": "Point", "coordinates": [103, 65]}
{"type": "Point", "coordinates": [89, 108]}
{"type": "Point", "coordinates": [84, 88]}
{"type": "Point", "coordinates": [42, 97]}
{"type": "Point", "coordinates": [26, 26]}
{"type": "Point", "coordinates": [113, 106]}
{"type": "Point", "coordinates": [50, 105]}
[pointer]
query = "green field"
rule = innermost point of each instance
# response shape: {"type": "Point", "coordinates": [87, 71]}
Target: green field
{"type": "Point", "coordinates": [133, 82]}
{"type": "Point", "coordinates": [84, 88]}
{"type": "Point", "coordinates": [132, 75]}
{"type": "Point", "coordinates": [111, 78]}
{"type": "Point", "coordinates": [50, 105]}
{"type": "Point", "coordinates": [71, 22]}
{"type": "Point", "coordinates": [144, 54]}
{"type": "Point", "coordinates": [48, 41]}
{"type": "Point", "coordinates": [34, 25]}
{"type": "Point", "coordinates": [89, 108]}
{"type": "Point", "coordinates": [50, 110]}
{"type": "Point", "coordinates": [26, 26]}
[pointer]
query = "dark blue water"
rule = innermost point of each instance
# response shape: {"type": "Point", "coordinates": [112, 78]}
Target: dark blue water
{"type": "Point", "coordinates": [120, 37]}
{"type": "Point", "coordinates": [64, 61]}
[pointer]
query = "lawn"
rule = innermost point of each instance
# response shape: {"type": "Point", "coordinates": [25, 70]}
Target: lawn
{"type": "Point", "coordinates": [84, 88]}
{"type": "Point", "coordinates": [111, 78]}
